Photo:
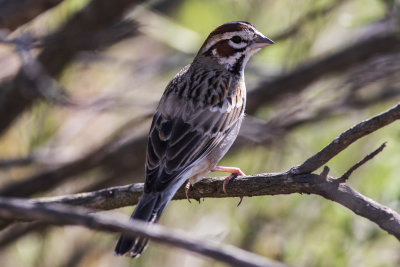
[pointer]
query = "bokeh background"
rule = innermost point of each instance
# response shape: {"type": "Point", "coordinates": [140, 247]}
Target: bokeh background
{"type": "Point", "coordinates": [80, 122]}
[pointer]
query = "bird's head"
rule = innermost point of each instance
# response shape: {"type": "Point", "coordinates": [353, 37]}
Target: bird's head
{"type": "Point", "coordinates": [232, 44]}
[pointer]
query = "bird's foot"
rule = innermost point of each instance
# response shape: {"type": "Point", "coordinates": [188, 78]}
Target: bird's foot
{"type": "Point", "coordinates": [235, 172]}
{"type": "Point", "coordinates": [240, 201]}
{"type": "Point", "coordinates": [187, 188]}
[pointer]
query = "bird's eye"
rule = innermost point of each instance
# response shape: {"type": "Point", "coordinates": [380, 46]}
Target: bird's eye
{"type": "Point", "coordinates": [236, 39]}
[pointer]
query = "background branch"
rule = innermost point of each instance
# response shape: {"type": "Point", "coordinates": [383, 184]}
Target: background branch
{"type": "Point", "coordinates": [15, 13]}
{"type": "Point", "coordinates": [62, 214]}
{"type": "Point", "coordinates": [16, 95]}
{"type": "Point", "coordinates": [302, 76]}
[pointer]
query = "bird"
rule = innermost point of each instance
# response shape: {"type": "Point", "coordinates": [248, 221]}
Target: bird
{"type": "Point", "coordinates": [196, 121]}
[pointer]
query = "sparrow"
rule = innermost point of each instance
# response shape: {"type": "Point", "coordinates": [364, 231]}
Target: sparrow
{"type": "Point", "coordinates": [196, 121]}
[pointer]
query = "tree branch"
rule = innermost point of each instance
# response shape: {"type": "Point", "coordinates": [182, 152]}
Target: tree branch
{"type": "Point", "coordinates": [347, 138]}
{"type": "Point", "coordinates": [63, 214]}
{"type": "Point", "coordinates": [252, 185]}
{"type": "Point", "coordinates": [370, 156]}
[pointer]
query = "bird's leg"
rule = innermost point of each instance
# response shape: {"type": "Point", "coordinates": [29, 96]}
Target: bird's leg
{"type": "Point", "coordinates": [235, 172]}
{"type": "Point", "coordinates": [187, 188]}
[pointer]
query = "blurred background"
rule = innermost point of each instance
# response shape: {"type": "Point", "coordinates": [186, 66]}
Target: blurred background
{"type": "Point", "coordinates": [80, 79]}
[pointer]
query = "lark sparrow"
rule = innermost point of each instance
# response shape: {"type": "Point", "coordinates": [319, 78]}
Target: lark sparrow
{"type": "Point", "coordinates": [196, 122]}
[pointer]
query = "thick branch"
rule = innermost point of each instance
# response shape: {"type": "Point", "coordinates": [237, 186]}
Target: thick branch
{"type": "Point", "coordinates": [62, 214]}
{"type": "Point", "coordinates": [248, 186]}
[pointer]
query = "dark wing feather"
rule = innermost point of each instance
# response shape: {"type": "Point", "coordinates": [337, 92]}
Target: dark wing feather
{"type": "Point", "coordinates": [182, 134]}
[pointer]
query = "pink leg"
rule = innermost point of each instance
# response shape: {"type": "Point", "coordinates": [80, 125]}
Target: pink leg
{"type": "Point", "coordinates": [235, 172]}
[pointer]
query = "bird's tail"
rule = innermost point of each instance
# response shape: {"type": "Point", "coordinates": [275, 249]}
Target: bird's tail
{"type": "Point", "coordinates": [148, 209]}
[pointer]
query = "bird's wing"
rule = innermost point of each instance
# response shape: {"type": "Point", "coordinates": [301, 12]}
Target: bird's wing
{"type": "Point", "coordinates": [181, 135]}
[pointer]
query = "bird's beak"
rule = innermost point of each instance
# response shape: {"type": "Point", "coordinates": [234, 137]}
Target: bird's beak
{"type": "Point", "coordinates": [261, 41]}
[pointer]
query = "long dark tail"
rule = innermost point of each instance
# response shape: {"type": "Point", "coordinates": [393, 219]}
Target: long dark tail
{"type": "Point", "coordinates": [148, 209]}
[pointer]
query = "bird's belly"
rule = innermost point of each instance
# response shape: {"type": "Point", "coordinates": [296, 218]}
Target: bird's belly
{"type": "Point", "coordinates": [200, 170]}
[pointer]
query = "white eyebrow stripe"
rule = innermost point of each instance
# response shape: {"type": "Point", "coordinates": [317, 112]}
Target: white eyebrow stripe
{"type": "Point", "coordinates": [225, 36]}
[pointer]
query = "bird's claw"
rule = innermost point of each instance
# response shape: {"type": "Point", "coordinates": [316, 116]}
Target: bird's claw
{"type": "Point", "coordinates": [187, 187]}
{"type": "Point", "coordinates": [226, 181]}
{"type": "Point", "coordinates": [235, 172]}
{"type": "Point", "coordinates": [240, 201]}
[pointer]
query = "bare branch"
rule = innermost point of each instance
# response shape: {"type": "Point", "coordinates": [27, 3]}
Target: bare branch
{"type": "Point", "coordinates": [252, 185]}
{"type": "Point", "coordinates": [104, 199]}
{"type": "Point", "coordinates": [347, 138]}
{"type": "Point", "coordinates": [63, 214]}
{"type": "Point", "coordinates": [386, 218]}
{"type": "Point", "coordinates": [370, 156]}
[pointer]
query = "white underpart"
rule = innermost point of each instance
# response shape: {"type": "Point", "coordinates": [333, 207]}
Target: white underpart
{"type": "Point", "coordinates": [249, 54]}
{"type": "Point", "coordinates": [230, 61]}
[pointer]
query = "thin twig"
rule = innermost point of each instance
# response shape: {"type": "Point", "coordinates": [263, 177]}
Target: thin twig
{"type": "Point", "coordinates": [370, 156]}
{"type": "Point", "coordinates": [324, 174]}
